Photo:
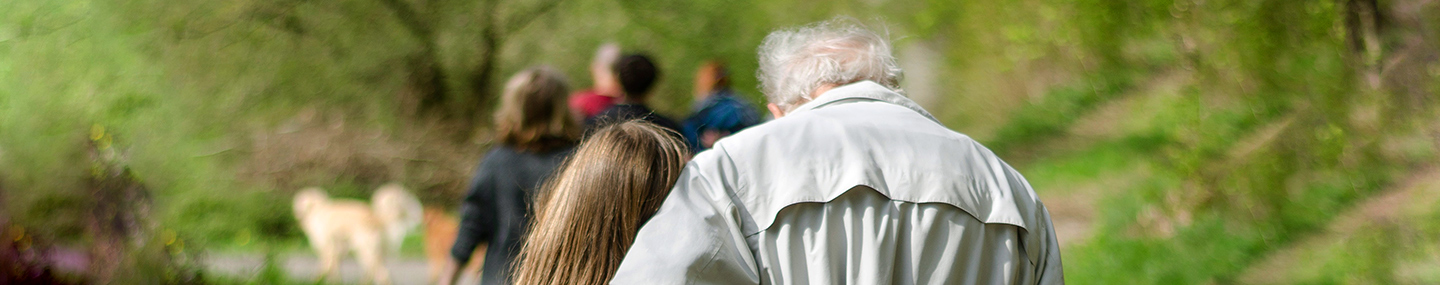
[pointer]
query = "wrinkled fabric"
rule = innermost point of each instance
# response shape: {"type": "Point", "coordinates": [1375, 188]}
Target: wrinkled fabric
{"type": "Point", "coordinates": [878, 239]}
{"type": "Point", "coordinates": [858, 186]}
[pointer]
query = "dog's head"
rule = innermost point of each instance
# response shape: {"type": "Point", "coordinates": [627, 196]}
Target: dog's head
{"type": "Point", "coordinates": [307, 200]}
{"type": "Point", "coordinates": [397, 210]}
{"type": "Point", "coordinates": [395, 205]}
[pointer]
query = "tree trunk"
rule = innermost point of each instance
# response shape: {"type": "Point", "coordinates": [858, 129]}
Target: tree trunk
{"type": "Point", "coordinates": [426, 94]}
{"type": "Point", "coordinates": [482, 79]}
{"type": "Point", "coordinates": [1362, 25]}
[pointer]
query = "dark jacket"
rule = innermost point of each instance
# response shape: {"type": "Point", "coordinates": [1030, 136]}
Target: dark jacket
{"type": "Point", "coordinates": [626, 112]}
{"type": "Point", "coordinates": [498, 206]}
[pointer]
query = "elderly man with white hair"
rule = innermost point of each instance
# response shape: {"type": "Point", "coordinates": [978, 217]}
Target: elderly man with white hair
{"type": "Point", "coordinates": [852, 183]}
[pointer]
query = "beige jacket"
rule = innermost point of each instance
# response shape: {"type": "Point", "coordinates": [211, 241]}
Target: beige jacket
{"type": "Point", "coordinates": [859, 186]}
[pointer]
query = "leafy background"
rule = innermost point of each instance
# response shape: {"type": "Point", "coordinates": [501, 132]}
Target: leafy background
{"type": "Point", "coordinates": [1174, 141]}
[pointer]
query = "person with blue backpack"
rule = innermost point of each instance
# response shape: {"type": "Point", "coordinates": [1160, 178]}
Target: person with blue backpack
{"type": "Point", "coordinates": [719, 111]}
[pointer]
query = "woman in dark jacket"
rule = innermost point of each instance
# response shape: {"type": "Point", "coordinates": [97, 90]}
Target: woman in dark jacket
{"type": "Point", "coordinates": [536, 133]}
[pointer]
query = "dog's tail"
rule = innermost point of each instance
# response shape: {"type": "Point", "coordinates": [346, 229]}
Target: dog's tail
{"type": "Point", "coordinates": [398, 211]}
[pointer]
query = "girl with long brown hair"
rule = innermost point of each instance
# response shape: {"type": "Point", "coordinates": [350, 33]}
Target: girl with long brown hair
{"type": "Point", "coordinates": [590, 211]}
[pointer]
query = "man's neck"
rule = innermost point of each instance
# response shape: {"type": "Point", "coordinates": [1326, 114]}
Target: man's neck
{"type": "Point", "coordinates": [821, 90]}
{"type": "Point", "coordinates": [778, 112]}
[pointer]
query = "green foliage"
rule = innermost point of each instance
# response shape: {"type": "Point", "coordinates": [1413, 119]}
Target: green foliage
{"type": "Point", "coordinates": [1370, 258]}
{"type": "Point", "coordinates": [1056, 173]}
{"type": "Point", "coordinates": [1266, 138]}
{"type": "Point", "coordinates": [1259, 141]}
{"type": "Point", "coordinates": [1216, 246]}
{"type": "Point", "coordinates": [1053, 114]}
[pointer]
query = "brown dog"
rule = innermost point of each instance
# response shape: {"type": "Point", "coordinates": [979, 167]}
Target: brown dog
{"type": "Point", "coordinates": [440, 231]}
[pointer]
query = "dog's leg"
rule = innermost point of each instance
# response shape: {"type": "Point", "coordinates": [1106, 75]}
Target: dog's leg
{"type": "Point", "coordinates": [382, 274]}
{"type": "Point", "coordinates": [370, 252]}
{"type": "Point", "coordinates": [329, 254]}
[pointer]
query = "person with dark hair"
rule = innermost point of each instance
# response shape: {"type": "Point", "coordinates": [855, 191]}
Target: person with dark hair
{"type": "Point", "coordinates": [535, 133]}
{"type": "Point", "coordinates": [637, 74]}
{"type": "Point", "coordinates": [719, 112]}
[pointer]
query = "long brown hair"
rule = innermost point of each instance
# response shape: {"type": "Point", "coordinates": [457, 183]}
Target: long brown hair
{"type": "Point", "coordinates": [590, 212]}
{"type": "Point", "coordinates": [532, 115]}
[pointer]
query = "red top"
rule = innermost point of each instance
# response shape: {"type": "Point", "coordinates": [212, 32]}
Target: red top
{"type": "Point", "coordinates": [589, 103]}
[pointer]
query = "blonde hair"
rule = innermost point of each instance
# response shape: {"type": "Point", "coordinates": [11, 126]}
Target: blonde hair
{"type": "Point", "coordinates": [532, 115]}
{"type": "Point", "coordinates": [591, 211]}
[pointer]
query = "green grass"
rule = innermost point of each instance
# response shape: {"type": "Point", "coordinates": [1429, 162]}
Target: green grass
{"type": "Point", "coordinates": [1252, 204]}
{"type": "Point", "coordinates": [1397, 250]}
{"type": "Point", "coordinates": [1105, 159]}
{"type": "Point", "coordinates": [1052, 114]}
{"type": "Point", "coordinates": [1236, 224]}
{"type": "Point", "coordinates": [1216, 246]}
{"type": "Point", "coordinates": [182, 90]}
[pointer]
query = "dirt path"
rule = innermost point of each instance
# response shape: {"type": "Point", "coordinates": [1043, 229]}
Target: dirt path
{"type": "Point", "coordinates": [305, 267]}
{"type": "Point", "coordinates": [1073, 209]}
{"type": "Point", "coordinates": [1415, 192]}
{"type": "Point", "coordinates": [1072, 216]}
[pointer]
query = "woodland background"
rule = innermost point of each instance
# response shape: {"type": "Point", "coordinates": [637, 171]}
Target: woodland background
{"type": "Point", "coordinates": [1174, 141]}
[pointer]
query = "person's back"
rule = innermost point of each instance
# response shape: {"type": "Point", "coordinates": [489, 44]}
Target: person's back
{"type": "Point", "coordinates": [502, 192]}
{"type": "Point", "coordinates": [627, 112]}
{"type": "Point", "coordinates": [851, 184]}
{"type": "Point", "coordinates": [637, 75]}
{"type": "Point", "coordinates": [718, 110]}
{"type": "Point", "coordinates": [873, 193]}
{"type": "Point", "coordinates": [535, 133]}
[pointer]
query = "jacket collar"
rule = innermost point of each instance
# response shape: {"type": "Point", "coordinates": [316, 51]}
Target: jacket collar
{"type": "Point", "coordinates": [861, 91]}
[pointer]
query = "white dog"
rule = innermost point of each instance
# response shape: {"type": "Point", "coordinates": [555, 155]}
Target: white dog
{"type": "Point", "coordinates": [371, 230]}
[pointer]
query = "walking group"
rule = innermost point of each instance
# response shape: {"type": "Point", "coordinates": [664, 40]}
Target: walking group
{"type": "Point", "coordinates": [848, 182]}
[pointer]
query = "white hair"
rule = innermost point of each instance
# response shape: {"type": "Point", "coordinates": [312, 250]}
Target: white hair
{"type": "Point", "coordinates": [795, 62]}
{"type": "Point", "coordinates": [605, 57]}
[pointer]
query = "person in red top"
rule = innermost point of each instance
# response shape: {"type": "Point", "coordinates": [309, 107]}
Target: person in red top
{"type": "Point", "coordinates": [606, 92]}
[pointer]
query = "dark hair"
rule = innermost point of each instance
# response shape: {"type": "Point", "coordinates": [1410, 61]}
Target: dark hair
{"type": "Point", "coordinates": [588, 214]}
{"type": "Point", "coordinates": [637, 75]}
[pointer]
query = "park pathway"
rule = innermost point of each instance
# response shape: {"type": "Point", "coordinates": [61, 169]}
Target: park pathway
{"type": "Point", "coordinates": [305, 267]}
{"type": "Point", "coordinates": [1411, 195]}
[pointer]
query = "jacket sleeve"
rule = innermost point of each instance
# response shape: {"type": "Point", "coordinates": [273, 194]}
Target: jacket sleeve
{"type": "Point", "coordinates": [1047, 268]}
{"type": "Point", "coordinates": [695, 238]}
{"type": "Point", "coordinates": [478, 217]}
{"type": "Point", "coordinates": [1040, 244]}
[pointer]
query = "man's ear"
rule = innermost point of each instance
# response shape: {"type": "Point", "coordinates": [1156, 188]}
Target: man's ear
{"type": "Point", "coordinates": [775, 110]}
